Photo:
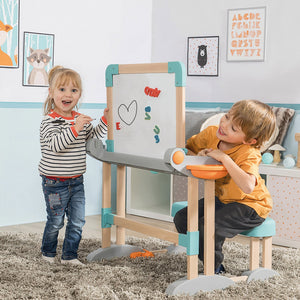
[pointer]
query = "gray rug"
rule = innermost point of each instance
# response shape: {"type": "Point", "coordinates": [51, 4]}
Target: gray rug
{"type": "Point", "coordinates": [24, 275]}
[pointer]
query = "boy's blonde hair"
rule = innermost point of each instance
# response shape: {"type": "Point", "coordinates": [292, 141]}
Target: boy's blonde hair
{"type": "Point", "coordinates": [256, 119]}
{"type": "Point", "coordinates": [59, 76]}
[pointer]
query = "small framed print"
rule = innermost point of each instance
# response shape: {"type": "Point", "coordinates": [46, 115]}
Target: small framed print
{"type": "Point", "coordinates": [38, 58]}
{"type": "Point", "coordinates": [246, 34]}
{"type": "Point", "coordinates": [203, 56]}
{"type": "Point", "coordinates": [9, 33]}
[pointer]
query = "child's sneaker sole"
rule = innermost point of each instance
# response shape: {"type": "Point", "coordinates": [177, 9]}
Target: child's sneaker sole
{"type": "Point", "coordinates": [48, 259]}
{"type": "Point", "coordinates": [74, 262]}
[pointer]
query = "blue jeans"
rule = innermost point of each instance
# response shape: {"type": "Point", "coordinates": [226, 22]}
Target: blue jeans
{"type": "Point", "coordinates": [63, 198]}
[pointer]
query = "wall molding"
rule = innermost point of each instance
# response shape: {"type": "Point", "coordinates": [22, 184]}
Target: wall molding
{"type": "Point", "coordinates": [190, 105]}
{"type": "Point", "coordinates": [227, 105]}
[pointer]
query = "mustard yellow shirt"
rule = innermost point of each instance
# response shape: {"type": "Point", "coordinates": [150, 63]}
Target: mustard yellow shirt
{"type": "Point", "coordinates": [248, 159]}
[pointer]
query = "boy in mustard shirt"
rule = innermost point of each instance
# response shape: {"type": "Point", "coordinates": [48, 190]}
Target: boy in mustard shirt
{"type": "Point", "coordinates": [242, 199]}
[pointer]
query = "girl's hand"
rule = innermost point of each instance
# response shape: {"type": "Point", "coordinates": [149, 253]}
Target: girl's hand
{"type": "Point", "coordinates": [82, 120]}
{"type": "Point", "coordinates": [106, 110]}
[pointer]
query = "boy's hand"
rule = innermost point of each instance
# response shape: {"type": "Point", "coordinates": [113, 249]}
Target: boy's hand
{"type": "Point", "coordinates": [245, 181]}
{"type": "Point", "coordinates": [81, 120]}
{"type": "Point", "coordinates": [216, 154]}
{"type": "Point", "coordinates": [204, 152]}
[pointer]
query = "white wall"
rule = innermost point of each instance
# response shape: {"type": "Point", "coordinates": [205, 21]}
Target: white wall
{"type": "Point", "coordinates": [274, 80]}
{"type": "Point", "coordinates": [89, 35]}
{"type": "Point", "coordinates": [21, 196]}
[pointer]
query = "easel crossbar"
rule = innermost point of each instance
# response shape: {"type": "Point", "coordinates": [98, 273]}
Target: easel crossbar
{"type": "Point", "coordinates": [153, 231]}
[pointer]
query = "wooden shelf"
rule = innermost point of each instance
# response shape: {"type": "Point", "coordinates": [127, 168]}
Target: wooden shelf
{"type": "Point", "coordinates": [149, 194]}
{"type": "Point", "coordinates": [279, 170]}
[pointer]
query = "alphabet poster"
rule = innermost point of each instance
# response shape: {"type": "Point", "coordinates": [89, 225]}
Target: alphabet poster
{"type": "Point", "coordinates": [144, 113]}
{"type": "Point", "coordinates": [246, 34]}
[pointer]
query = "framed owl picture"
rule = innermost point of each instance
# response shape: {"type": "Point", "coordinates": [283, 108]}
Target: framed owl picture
{"type": "Point", "coordinates": [38, 58]}
{"type": "Point", "coordinates": [203, 56]}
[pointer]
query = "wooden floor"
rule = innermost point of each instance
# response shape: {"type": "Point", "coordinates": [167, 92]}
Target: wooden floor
{"type": "Point", "coordinates": [92, 228]}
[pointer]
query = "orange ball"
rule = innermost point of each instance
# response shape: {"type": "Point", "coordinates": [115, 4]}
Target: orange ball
{"type": "Point", "coordinates": [178, 157]}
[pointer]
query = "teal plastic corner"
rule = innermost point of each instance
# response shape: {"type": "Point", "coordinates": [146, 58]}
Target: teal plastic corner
{"type": "Point", "coordinates": [185, 150]}
{"type": "Point", "coordinates": [110, 146]}
{"type": "Point", "coordinates": [110, 71]}
{"type": "Point", "coordinates": [107, 218]}
{"type": "Point", "coordinates": [179, 69]}
{"type": "Point", "coordinates": [190, 240]}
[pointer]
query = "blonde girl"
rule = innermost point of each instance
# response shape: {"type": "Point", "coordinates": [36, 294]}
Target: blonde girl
{"type": "Point", "coordinates": [63, 136]}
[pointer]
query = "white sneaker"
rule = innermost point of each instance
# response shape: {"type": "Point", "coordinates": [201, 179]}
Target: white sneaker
{"type": "Point", "coordinates": [74, 262]}
{"type": "Point", "coordinates": [49, 259]}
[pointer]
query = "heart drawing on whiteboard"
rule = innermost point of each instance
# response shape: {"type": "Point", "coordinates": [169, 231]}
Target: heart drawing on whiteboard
{"type": "Point", "coordinates": [128, 113]}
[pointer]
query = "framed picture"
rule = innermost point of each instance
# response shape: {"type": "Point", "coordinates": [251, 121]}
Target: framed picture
{"type": "Point", "coordinates": [9, 33]}
{"type": "Point", "coordinates": [203, 56]}
{"type": "Point", "coordinates": [38, 58]}
{"type": "Point", "coordinates": [246, 34]}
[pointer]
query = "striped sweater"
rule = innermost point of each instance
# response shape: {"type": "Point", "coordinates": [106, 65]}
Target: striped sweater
{"type": "Point", "coordinates": [63, 149]}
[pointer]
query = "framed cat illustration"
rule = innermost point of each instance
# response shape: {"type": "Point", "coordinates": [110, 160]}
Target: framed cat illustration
{"type": "Point", "coordinates": [38, 58]}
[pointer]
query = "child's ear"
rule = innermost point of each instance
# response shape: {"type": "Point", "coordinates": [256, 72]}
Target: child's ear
{"type": "Point", "coordinates": [251, 142]}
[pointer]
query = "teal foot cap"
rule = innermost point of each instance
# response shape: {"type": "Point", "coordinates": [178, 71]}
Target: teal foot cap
{"type": "Point", "coordinates": [200, 283]}
{"type": "Point", "coordinates": [260, 274]}
{"type": "Point", "coordinates": [113, 251]}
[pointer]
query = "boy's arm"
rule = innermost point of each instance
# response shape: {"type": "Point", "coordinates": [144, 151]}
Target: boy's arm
{"type": "Point", "coordinates": [245, 181]}
{"type": "Point", "coordinates": [197, 142]}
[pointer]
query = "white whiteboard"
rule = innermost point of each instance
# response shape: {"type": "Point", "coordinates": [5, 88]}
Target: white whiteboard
{"type": "Point", "coordinates": [144, 113]}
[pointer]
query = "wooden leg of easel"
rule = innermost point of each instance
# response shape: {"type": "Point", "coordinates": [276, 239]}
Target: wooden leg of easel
{"type": "Point", "coordinates": [267, 252]}
{"type": "Point", "coordinates": [192, 225]}
{"type": "Point", "coordinates": [106, 201]}
{"type": "Point", "coordinates": [121, 182]}
{"type": "Point", "coordinates": [209, 227]}
{"type": "Point", "coordinates": [254, 253]}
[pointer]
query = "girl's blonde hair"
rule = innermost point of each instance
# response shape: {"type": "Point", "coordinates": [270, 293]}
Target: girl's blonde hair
{"type": "Point", "coordinates": [59, 76]}
{"type": "Point", "coordinates": [256, 119]}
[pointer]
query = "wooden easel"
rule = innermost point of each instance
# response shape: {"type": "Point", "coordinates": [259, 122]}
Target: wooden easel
{"type": "Point", "coordinates": [120, 221]}
{"type": "Point", "coordinates": [194, 282]}
{"type": "Point", "coordinates": [190, 239]}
